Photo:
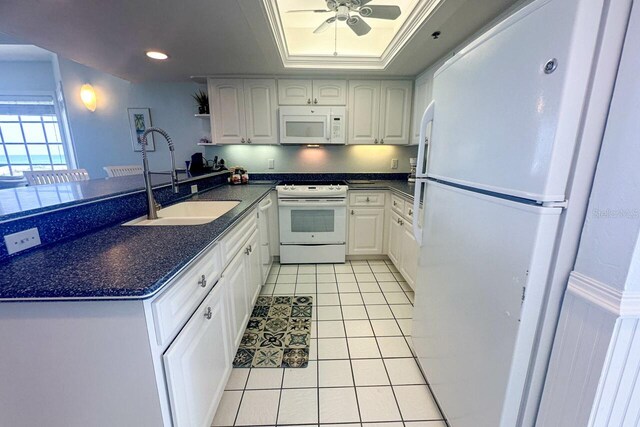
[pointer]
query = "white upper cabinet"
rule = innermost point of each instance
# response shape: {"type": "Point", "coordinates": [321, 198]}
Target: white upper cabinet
{"type": "Point", "coordinates": [312, 92]}
{"type": "Point", "coordinates": [330, 92]}
{"type": "Point", "coordinates": [379, 111]}
{"type": "Point", "coordinates": [294, 92]}
{"type": "Point", "coordinates": [227, 110]}
{"type": "Point", "coordinates": [421, 99]}
{"type": "Point", "coordinates": [364, 111]}
{"type": "Point", "coordinates": [395, 112]}
{"type": "Point", "coordinates": [261, 107]}
{"type": "Point", "coordinates": [244, 111]}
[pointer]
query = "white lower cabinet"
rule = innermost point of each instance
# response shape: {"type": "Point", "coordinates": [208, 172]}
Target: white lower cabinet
{"type": "Point", "coordinates": [198, 363]}
{"type": "Point", "coordinates": [395, 238]}
{"type": "Point", "coordinates": [254, 266]}
{"type": "Point", "coordinates": [403, 249]}
{"type": "Point", "coordinates": [408, 266]}
{"type": "Point", "coordinates": [366, 231]}
{"type": "Point", "coordinates": [235, 279]}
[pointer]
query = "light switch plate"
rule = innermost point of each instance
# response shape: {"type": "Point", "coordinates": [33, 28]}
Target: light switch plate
{"type": "Point", "coordinates": [22, 240]}
{"type": "Point", "coordinates": [271, 163]}
{"type": "Point", "coordinates": [394, 163]}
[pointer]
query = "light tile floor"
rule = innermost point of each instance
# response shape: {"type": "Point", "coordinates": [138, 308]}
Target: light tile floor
{"type": "Point", "coordinates": [361, 371]}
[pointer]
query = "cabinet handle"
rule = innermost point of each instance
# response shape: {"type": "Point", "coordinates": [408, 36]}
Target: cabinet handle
{"type": "Point", "coordinates": [248, 140]}
{"type": "Point", "coordinates": [368, 199]}
{"type": "Point", "coordinates": [246, 251]}
{"type": "Point", "coordinates": [250, 248]}
{"type": "Point", "coordinates": [315, 100]}
{"type": "Point", "coordinates": [410, 212]}
{"type": "Point", "coordinates": [208, 313]}
{"type": "Point", "coordinates": [308, 100]}
{"type": "Point", "coordinates": [401, 222]}
{"type": "Point", "coordinates": [242, 140]}
{"type": "Point", "coordinates": [382, 141]}
{"type": "Point", "coordinates": [352, 212]}
{"type": "Point", "coordinates": [203, 281]}
{"type": "Point", "coordinates": [394, 203]}
{"type": "Point", "coordinates": [375, 141]}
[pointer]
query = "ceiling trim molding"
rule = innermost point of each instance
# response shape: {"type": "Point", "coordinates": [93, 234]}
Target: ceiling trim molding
{"type": "Point", "coordinates": [421, 12]}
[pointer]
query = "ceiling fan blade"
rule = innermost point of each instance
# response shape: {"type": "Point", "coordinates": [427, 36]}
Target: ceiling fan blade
{"type": "Point", "coordinates": [309, 10]}
{"type": "Point", "coordinates": [358, 3]}
{"type": "Point", "coordinates": [358, 25]}
{"type": "Point", "coordinates": [325, 25]}
{"type": "Point", "coordinates": [380, 12]}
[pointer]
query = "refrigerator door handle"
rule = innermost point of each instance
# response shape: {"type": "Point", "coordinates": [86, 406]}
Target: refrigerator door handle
{"type": "Point", "coordinates": [427, 116]}
{"type": "Point", "coordinates": [417, 230]}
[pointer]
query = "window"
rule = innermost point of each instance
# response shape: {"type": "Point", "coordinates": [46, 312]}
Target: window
{"type": "Point", "coordinates": [30, 137]}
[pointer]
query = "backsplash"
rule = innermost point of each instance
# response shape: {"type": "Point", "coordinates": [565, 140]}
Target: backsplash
{"type": "Point", "coordinates": [324, 159]}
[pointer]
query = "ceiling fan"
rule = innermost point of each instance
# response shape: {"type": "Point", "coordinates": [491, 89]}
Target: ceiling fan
{"type": "Point", "coordinates": [352, 12]}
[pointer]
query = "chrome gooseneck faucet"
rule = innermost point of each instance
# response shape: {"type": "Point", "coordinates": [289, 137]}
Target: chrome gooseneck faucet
{"type": "Point", "coordinates": [153, 206]}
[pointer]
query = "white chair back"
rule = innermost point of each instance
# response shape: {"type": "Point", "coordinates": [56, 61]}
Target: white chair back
{"type": "Point", "coordinates": [123, 170]}
{"type": "Point", "coordinates": [57, 176]}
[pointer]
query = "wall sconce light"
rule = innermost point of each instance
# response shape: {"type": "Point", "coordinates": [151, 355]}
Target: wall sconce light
{"type": "Point", "coordinates": [88, 96]}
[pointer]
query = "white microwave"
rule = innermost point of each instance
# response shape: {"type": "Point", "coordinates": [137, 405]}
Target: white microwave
{"type": "Point", "coordinates": [313, 125]}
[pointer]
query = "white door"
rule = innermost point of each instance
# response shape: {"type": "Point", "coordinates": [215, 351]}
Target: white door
{"type": "Point", "coordinates": [235, 279]}
{"type": "Point", "coordinates": [294, 92]}
{"type": "Point", "coordinates": [364, 111]}
{"type": "Point", "coordinates": [329, 92]}
{"type": "Point", "coordinates": [261, 106]}
{"type": "Point", "coordinates": [227, 110]}
{"type": "Point", "coordinates": [503, 124]}
{"type": "Point", "coordinates": [410, 253]}
{"type": "Point", "coordinates": [421, 98]}
{"type": "Point", "coordinates": [254, 268]}
{"type": "Point", "coordinates": [395, 112]}
{"type": "Point", "coordinates": [266, 210]}
{"type": "Point", "coordinates": [366, 231]}
{"type": "Point", "coordinates": [198, 362]}
{"type": "Point", "coordinates": [395, 239]}
{"type": "Point", "coordinates": [473, 334]}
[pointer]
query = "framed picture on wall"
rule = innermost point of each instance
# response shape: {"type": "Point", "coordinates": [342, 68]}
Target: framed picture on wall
{"type": "Point", "coordinates": [139, 121]}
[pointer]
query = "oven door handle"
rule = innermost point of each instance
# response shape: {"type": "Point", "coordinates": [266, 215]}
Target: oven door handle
{"type": "Point", "coordinates": [325, 203]}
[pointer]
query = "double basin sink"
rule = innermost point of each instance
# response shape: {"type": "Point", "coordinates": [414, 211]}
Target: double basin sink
{"type": "Point", "coordinates": [188, 213]}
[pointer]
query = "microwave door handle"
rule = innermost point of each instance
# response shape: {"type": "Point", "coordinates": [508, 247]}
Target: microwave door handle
{"type": "Point", "coordinates": [326, 128]}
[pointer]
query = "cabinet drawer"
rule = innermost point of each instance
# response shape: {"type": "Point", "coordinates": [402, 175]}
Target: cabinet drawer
{"type": "Point", "coordinates": [173, 307]}
{"type": "Point", "coordinates": [408, 210]}
{"type": "Point", "coordinates": [358, 198]}
{"type": "Point", "coordinates": [397, 204]}
{"type": "Point", "coordinates": [232, 242]}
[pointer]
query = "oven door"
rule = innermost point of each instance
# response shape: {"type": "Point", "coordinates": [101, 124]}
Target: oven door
{"type": "Point", "coordinates": [312, 221]}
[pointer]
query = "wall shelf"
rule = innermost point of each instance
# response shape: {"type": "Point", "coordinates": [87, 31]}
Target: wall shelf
{"type": "Point", "coordinates": [202, 116]}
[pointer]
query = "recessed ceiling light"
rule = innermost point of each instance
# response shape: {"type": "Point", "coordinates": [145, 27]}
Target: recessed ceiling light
{"type": "Point", "coordinates": [157, 55]}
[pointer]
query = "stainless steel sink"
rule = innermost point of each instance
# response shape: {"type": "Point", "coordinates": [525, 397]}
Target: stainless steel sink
{"type": "Point", "coordinates": [188, 213]}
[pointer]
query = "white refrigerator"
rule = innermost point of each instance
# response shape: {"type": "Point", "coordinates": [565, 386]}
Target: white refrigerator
{"type": "Point", "coordinates": [492, 177]}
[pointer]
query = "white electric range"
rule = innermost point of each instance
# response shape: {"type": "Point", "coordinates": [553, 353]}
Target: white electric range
{"type": "Point", "coordinates": [313, 222]}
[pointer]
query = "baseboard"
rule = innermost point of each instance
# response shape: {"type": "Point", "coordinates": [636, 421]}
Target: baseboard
{"type": "Point", "coordinates": [619, 302]}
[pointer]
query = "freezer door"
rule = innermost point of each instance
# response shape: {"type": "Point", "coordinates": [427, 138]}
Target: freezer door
{"type": "Point", "coordinates": [501, 122]}
{"type": "Point", "coordinates": [471, 330]}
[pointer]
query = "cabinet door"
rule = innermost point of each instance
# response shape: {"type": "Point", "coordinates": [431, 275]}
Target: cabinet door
{"type": "Point", "coordinates": [410, 253]}
{"type": "Point", "coordinates": [421, 98]}
{"type": "Point", "coordinates": [395, 112]}
{"type": "Point", "coordinates": [366, 231]}
{"type": "Point", "coordinates": [329, 92]}
{"type": "Point", "coordinates": [235, 280]}
{"type": "Point", "coordinates": [294, 92]}
{"type": "Point", "coordinates": [264, 219]}
{"type": "Point", "coordinates": [198, 362]}
{"type": "Point", "coordinates": [227, 110]}
{"type": "Point", "coordinates": [254, 269]}
{"type": "Point", "coordinates": [364, 111]}
{"type": "Point", "coordinates": [395, 239]}
{"type": "Point", "coordinates": [261, 108]}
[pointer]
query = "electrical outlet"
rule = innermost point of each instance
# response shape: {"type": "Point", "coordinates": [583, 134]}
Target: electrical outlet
{"type": "Point", "coordinates": [194, 188]}
{"type": "Point", "coordinates": [22, 240]}
{"type": "Point", "coordinates": [394, 163]}
{"type": "Point", "coordinates": [271, 163]}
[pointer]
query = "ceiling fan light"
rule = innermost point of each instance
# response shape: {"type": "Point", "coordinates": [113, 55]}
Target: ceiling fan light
{"type": "Point", "coordinates": [342, 13]}
{"type": "Point", "coordinates": [365, 11]}
{"type": "Point", "coordinates": [332, 4]}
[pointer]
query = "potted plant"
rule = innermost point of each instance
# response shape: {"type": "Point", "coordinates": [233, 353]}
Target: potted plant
{"type": "Point", "coordinates": [202, 99]}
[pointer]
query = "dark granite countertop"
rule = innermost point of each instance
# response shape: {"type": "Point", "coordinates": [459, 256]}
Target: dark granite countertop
{"type": "Point", "coordinates": [132, 262]}
{"type": "Point", "coordinates": [402, 187]}
{"type": "Point", "coordinates": [120, 262]}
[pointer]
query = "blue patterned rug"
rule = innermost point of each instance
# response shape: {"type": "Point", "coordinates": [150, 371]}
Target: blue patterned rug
{"type": "Point", "coordinates": [278, 334]}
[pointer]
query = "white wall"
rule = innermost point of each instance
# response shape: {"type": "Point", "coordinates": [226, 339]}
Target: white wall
{"type": "Point", "coordinates": [350, 158]}
{"type": "Point", "coordinates": [102, 137]}
{"type": "Point", "coordinates": [26, 76]}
